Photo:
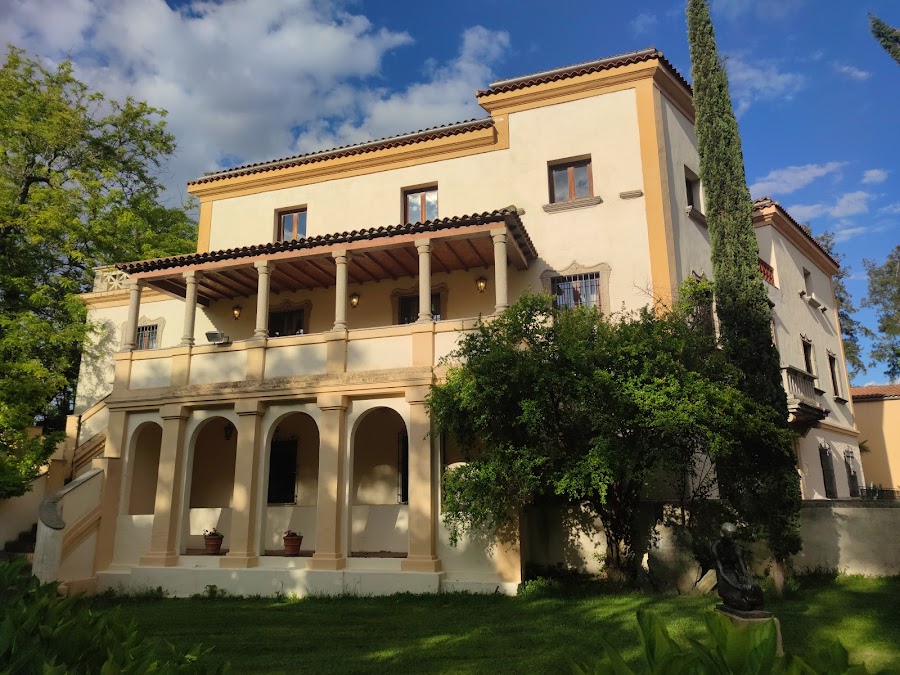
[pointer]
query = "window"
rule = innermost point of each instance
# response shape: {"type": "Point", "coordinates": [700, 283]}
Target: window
{"type": "Point", "coordinates": [807, 283]}
{"type": "Point", "coordinates": [282, 323]}
{"type": "Point", "coordinates": [403, 469]}
{"type": "Point", "coordinates": [827, 472]}
{"type": "Point", "coordinates": [283, 472]}
{"type": "Point", "coordinates": [692, 191]}
{"type": "Point", "coordinates": [579, 290]}
{"type": "Point", "coordinates": [291, 224]}
{"type": "Point", "coordinates": [146, 336]}
{"type": "Point", "coordinates": [832, 366]}
{"type": "Point", "coordinates": [571, 180]}
{"type": "Point", "coordinates": [409, 308]}
{"type": "Point", "coordinates": [808, 360]}
{"type": "Point", "coordinates": [852, 476]}
{"type": "Point", "coordinates": [420, 205]}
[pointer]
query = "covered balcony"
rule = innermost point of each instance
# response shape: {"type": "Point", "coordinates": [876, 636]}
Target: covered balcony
{"type": "Point", "coordinates": [317, 305]}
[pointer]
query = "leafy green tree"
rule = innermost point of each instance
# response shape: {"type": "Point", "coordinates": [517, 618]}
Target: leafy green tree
{"type": "Point", "coordinates": [884, 297]}
{"type": "Point", "coordinates": [887, 36]}
{"type": "Point", "coordinates": [761, 482]}
{"type": "Point", "coordinates": [570, 404]}
{"type": "Point", "coordinates": [851, 329]}
{"type": "Point", "coordinates": [79, 187]}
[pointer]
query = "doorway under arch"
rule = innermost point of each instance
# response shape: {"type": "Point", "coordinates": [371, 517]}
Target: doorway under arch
{"type": "Point", "coordinates": [292, 483]}
{"type": "Point", "coordinates": [211, 482]}
{"type": "Point", "coordinates": [379, 486]}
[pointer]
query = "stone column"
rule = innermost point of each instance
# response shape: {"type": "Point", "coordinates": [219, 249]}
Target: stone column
{"type": "Point", "coordinates": [167, 510]}
{"type": "Point", "coordinates": [190, 308]}
{"type": "Point", "coordinates": [341, 258]}
{"type": "Point", "coordinates": [134, 310]}
{"type": "Point", "coordinates": [243, 540]}
{"type": "Point", "coordinates": [500, 272]}
{"type": "Point", "coordinates": [423, 246]}
{"type": "Point", "coordinates": [422, 555]}
{"type": "Point", "coordinates": [263, 269]}
{"type": "Point", "coordinates": [329, 554]}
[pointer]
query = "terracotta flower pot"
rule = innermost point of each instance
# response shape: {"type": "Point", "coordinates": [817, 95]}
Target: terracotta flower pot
{"type": "Point", "coordinates": [213, 543]}
{"type": "Point", "coordinates": [292, 545]}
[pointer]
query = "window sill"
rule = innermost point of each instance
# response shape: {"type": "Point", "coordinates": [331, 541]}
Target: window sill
{"type": "Point", "coordinates": [695, 215]}
{"type": "Point", "coordinates": [820, 392]}
{"type": "Point", "coordinates": [840, 399]}
{"type": "Point", "coordinates": [572, 204]}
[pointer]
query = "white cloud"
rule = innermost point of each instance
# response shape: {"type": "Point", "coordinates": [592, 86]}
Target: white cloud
{"type": "Point", "coordinates": [243, 79]}
{"type": "Point", "coordinates": [846, 230]}
{"type": "Point", "coordinates": [874, 176]}
{"type": "Point", "coordinates": [792, 178]}
{"type": "Point", "coordinates": [852, 72]}
{"type": "Point", "coordinates": [643, 23]}
{"type": "Point", "coordinates": [891, 209]}
{"type": "Point", "coordinates": [447, 96]}
{"type": "Point", "coordinates": [763, 81]}
{"type": "Point", "coordinates": [848, 204]}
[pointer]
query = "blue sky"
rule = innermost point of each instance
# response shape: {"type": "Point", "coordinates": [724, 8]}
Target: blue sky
{"type": "Point", "coordinates": [246, 80]}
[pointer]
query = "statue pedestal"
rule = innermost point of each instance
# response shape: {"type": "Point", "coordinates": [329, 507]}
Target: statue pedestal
{"type": "Point", "coordinates": [741, 618]}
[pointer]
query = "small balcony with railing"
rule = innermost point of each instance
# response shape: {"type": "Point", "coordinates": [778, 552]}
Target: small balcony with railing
{"type": "Point", "coordinates": [804, 407]}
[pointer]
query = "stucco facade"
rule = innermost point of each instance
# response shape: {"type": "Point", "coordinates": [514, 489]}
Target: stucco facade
{"type": "Point", "coordinates": [877, 411]}
{"type": "Point", "coordinates": [204, 432]}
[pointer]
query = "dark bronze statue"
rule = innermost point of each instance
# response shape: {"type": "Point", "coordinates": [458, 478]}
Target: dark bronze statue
{"type": "Point", "coordinates": [737, 587]}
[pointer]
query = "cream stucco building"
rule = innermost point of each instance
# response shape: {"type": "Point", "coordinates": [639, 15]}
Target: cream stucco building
{"type": "Point", "coordinates": [277, 378]}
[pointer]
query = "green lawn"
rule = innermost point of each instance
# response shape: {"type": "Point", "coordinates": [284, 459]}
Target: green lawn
{"type": "Point", "coordinates": [491, 634]}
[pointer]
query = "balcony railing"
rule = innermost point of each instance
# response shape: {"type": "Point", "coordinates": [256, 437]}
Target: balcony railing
{"type": "Point", "coordinates": [799, 385]}
{"type": "Point", "coordinates": [767, 271]}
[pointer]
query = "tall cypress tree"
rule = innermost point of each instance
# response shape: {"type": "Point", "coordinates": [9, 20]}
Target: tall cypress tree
{"type": "Point", "coordinates": [887, 36]}
{"type": "Point", "coordinates": [761, 481]}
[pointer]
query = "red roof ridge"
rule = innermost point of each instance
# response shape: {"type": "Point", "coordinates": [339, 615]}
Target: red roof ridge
{"type": "Point", "coordinates": [584, 68]}
{"type": "Point", "coordinates": [405, 138]}
{"type": "Point", "coordinates": [763, 202]}
{"type": "Point", "coordinates": [517, 230]}
{"type": "Point", "coordinates": [875, 391]}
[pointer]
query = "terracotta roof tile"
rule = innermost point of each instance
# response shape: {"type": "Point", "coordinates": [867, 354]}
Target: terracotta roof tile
{"type": "Point", "coordinates": [517, 230]}
{"type": "Point", "coordinates": [875, 391]}
{"type": "Point", "coordinates": [348, 150]}
{"type": "Point", "coordinates": [763, 202]}
{"type": "Point", "coordinates": [585, 68]}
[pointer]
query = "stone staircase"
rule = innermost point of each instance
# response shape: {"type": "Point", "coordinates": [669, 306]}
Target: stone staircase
{"type": "Point", "coordinates": [21, 547]}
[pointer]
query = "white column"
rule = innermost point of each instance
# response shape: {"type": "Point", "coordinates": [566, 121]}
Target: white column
{"type": "Point", "coordinates": [341, 258]}
{"type": "Point", "coordinates": [500, 284]}
{"type": "Point", "coordinates": [263, 268]}
{"type": "Point", "coordinates": [190, 308]}
{"type": "Point", "coordinates": [134, 310]}
{"type": "Point", "coordinates": [423, 246]}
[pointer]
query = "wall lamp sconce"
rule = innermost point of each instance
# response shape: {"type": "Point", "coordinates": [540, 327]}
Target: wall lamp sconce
{"type": "Point", "coordinates": [481, 284]}
{"type": "Point", "coordinates": [354, 299]}
{"type": "Point", "coordinates": [236, 312]}
{"type": "Point", "coordinates": [229, 431]}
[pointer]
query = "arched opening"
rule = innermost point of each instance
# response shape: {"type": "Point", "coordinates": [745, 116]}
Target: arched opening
{"type": "Point", "coordinates": [292, 483]}
{"type": "Point", "coordinates": [212, 481]}
{"type": "Point", "coordinates": [379, 486]}
{"type": "Point", "coordinates": [145, 469]}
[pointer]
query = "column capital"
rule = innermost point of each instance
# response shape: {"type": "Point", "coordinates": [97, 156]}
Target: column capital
{"type": "Point", "coordinates": [174, 412]}
{"type": "Point", "coordinates": [249, 407]}
{"type": "Point", "coordinates": [423, 245]}
{"type": "Point", "coordinates": [332, 402]}
{"type": "Point", "coordinates": [341, 256]}
{"type": "Point", "coordinates": [499, 235]}
{"type": "Point", "coordinates": [135, 284]}
{"type": "Point", "coordinates": [192, 275]}
{"type": "Point", "coordinates": [263, 266]}
{"type": "Point", "coordinates": [417, 395]}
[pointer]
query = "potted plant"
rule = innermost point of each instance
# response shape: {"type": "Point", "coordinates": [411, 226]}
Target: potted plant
{"type": "Point", "coordinates": [213, 540]}
{"type": "Point", "coordinates": [292, 541]}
